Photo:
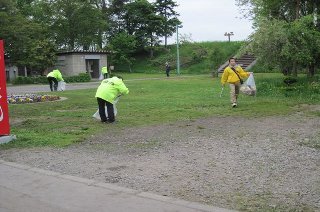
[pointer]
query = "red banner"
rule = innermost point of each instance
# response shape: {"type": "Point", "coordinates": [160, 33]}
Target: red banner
{"type": "Point", "coordinates": [4, 112]}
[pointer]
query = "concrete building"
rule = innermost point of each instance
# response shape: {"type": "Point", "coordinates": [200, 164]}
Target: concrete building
{"type": "Point", "coordinates": [11, 72]}
{"type": "Point", "coordinates": [70, 63]}
{"type": "Point", "coordinates": [75, 62]}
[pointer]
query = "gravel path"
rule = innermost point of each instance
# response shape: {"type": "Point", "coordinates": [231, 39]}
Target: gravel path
{"type": "Point", "coordinates": [26, 89]}
{"type": "Point", "coordinates": [251, 164]}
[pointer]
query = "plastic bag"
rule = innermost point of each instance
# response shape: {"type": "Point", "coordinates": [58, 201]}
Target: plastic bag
{"type": "Point", "coordinates": [61, 86]}
{"type": "Point", "coordinates": [249, 86]}
{"type": "Point", "coordinates": [101, 77]}
{"type": "Point", "coordinates": [96, 115]}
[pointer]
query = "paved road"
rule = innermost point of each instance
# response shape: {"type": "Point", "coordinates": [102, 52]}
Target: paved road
{"type": "Point", "coordinates": [23, 188]}
{"type": "Point", "coordinates": [27, 89]}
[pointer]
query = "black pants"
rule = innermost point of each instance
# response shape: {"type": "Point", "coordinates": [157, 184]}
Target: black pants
{"type": "Point", "coordinates": [53, 82]}
{"type": "Point", "coordinates": [102, 103]}
{"type": "Point", "coordinates": [167, 72]}
{"type": "Point", "coordinates": [106, 75]}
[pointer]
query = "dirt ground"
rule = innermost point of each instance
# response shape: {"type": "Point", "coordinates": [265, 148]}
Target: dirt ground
{"type": "Point", "coordinates": [251, 164]}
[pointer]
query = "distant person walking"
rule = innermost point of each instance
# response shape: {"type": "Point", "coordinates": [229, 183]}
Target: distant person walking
{"type": "Point", "coordinates": [233, 75]}
{"type": "Point", "coordinates": [104, 71]}
{"type": "Point", "coordinates": [53, 78]}
{"type": "Point", "coordinates": [108, 91]}
{"type": "Point", "coordinates": [167, 69]}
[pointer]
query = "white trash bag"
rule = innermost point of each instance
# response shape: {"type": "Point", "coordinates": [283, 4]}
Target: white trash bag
{"type": "Point", "coordinates": [249, 86]}
{"type": "Point", "coordinates": [61, 86]}
{"type": "Point", "coordinates": [101, 77]}
{"type": "Point", "coordinates": [96, 115]}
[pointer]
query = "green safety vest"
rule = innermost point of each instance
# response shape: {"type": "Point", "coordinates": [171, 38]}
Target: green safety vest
{"type": "Point", "coordinates": [111, 88]}
{"type": "Point", "coordinates": [104, 70]}
{"type": "Point", "coordinates": [56, 74]}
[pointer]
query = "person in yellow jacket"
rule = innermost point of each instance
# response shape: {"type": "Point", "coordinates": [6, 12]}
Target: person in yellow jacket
{"type": "Point", "coordinates": [108, 91]}
{"type": "Point", "coordinates": [53, 78]}
{"type": "Point", "coordinates": [234, 74]}
{"type": "Point", "coordinates": [104, 71]}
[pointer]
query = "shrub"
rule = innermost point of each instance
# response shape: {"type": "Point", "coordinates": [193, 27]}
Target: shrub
{"type": "Point", "coordinates": [82, 77]}
{"type": "Point", "coordinates": [290, 80]}
{"type": "Point", "coordinates": [28, 80]}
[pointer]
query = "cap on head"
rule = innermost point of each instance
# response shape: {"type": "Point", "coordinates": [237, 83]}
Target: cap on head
{"type": "Point", "coordinates": [120, 77]}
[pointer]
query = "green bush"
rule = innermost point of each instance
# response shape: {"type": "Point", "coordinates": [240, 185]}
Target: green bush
{"type": "Point", "coordinates": [29, 80]}
{"type": "Point", "coordinates": [290, 80]}
{"type": "Point", "coordinates": [263, 68]}
{"type": "Point", "coordinates": [300, 88]}
{"type": "Point", "coordinates": [40, 79]}
{"type": "Point", "coordinates": [82, 77]}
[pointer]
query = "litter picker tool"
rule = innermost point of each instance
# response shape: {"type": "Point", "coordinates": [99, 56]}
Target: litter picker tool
{"type": "Point", "coordinates": [221, 92]}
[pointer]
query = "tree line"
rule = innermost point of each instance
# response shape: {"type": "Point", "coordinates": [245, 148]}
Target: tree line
{"type": "Point", "coordinates": [287, 33]}
{"type": "Point", "coordinates": [35, 30]}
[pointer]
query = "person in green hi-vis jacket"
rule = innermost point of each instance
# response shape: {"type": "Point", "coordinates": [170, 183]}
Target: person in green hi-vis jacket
{"type": "Point", "coordinates": [108, 91]}
{"type": "Point", "coordinates": [53, 78]}
{"type": "Point", "coordinates": [104, 71]}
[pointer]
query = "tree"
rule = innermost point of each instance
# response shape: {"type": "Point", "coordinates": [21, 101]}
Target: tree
{"type": "Point", "coordinates": [73, 24]}
{"type": "Point", "coordinates": [102, 5]}
{"type": "Point", "coordinates": [287, 32]}
{"type": "Point", "coordinates": [142, 21]}
{"type": "Point", "coordinates": [116, 12]}
{"type": "Point", "coordinates": [25, 7]}
{"type": "Point", "coordinates": [304, 43]}
{"type": "Point", "coordinates": [31, 27]}
{"type": "Point", "coordinates": [7, 6]}
{"type": "Point", "coordinates": [42, 54]}
{"type": "Point", "coordinates": [165, 8]}
{"type": "Point", "coordinates": [90, 25]}
{"type": "Point", "coordinates": [280, 9]}
{"type": "Point", "coordinates": [152, 31]}
{"type": "Point", "coordinates": [123, 46]}
{"type": "Point", "coordinates": [21, 36]}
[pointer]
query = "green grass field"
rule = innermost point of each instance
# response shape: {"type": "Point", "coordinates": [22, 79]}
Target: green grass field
{"type": "Point", "coordinates": [151, 101]}
{"type": "Point", "coordinates": [195, 58]}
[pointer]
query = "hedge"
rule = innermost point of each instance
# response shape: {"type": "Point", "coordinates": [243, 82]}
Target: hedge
{"type": "Point", "coordinates": [82, 77]}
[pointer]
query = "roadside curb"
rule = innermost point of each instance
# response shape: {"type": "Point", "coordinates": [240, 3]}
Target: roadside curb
{"type": "Point", "coordinates": [118, 189]}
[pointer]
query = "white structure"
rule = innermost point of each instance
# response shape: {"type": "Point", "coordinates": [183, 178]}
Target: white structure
{"type": "Point", "coordinates": [75, 62]}
{"type": "Point", "coordinates": [11, 72]}
{"type": "Point", "coordinates": [69, 63]}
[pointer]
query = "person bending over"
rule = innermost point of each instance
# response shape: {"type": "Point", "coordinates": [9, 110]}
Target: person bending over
{"type": "Point", "coordinates": [108, 91]}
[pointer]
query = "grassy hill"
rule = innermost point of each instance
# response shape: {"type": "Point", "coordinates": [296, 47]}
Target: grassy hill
{"type": "Point", "coordinates": [195, 58]}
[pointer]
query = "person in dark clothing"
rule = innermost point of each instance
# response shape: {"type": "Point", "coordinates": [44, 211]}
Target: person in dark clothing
{"type": "Point", "coordinates": [167, 69]}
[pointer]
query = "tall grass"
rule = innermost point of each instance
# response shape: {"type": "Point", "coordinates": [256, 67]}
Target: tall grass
{"type": "Point", "coordinates": [195, 58]}
{"type": "Point", "coordinates": [150, 102]}
{"type": "Point", "coordinates": [303, 91]}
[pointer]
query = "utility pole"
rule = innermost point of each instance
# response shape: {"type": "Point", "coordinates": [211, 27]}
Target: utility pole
{"type": "Point", "coordinates": [228, 34]}
{"type": "Point", "coordinates": [178, 56]}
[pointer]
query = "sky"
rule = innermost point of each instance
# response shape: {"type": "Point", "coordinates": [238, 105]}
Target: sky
{"type": "Point", "coordinates": [208, 20]}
